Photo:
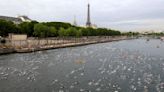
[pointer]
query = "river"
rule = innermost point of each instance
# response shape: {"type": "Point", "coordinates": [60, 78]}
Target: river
{"type": "Point", "coordinates": [124, 66]}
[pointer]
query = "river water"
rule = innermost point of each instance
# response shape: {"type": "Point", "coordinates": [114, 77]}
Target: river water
{"type": "Point", "coordinates": [123, 66]}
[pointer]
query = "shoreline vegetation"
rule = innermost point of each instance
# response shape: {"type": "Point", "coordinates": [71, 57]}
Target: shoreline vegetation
{"type": "Point", "coordinates": [51, 35]}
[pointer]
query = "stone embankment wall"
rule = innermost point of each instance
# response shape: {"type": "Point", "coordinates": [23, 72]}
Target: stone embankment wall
{"type": "Point", "coordinates": [34, 44]}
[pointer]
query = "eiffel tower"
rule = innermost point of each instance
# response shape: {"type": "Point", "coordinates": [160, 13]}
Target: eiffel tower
{"type": "Point", "coordinates": [74, 22]}
{"type": "Point", "coordinates": [88, 24]}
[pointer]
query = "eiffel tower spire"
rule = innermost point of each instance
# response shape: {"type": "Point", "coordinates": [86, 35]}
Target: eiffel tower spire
{"type": "Point", "coordinates": [88, 24]}
{"type": "Point", "coordinates": [74, 22]}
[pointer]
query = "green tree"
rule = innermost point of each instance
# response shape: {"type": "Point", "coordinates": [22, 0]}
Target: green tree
{"type": "Point", "coordinates": [7, 27]}
{"type": "Point", "coordinates": [91, 32]}
{"type": "Point", "coordinates": [58, 25]}
{"type": "Point", "coordinates": [41, 30]}
{"type": "Point", "coordinates": [27, 28]}
{"type": "Point", "coordinates": [79, 33]}
{"type": "Point", "coordinates": [62, 32]}
{"type": "Point", "coordinates": [52, 32]}
{"type": "Point", "coordinates": [84, 32]}
{"type": "Point", "coordinates": [71, 31]}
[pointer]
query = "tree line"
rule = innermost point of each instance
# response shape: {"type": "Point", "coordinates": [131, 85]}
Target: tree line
{"type": "Point", "coordinates": [52, 29]}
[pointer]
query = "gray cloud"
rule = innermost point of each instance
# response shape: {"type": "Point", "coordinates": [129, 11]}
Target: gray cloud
{"type": "Point", "coordinates": [119, 14]}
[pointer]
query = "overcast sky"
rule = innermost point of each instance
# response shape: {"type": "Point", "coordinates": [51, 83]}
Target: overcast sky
{"type": "Point", "coordinates": [126, 15]}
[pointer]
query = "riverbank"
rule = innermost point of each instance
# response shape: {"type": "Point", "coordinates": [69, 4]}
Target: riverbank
{"type": "Point", "coordinates": [60, 43]}
{"type": "Point", "coordinates": [6, 51]}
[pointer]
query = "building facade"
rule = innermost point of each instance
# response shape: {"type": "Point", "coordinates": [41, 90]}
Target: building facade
{"type": "Point", "coordinates": [16, 20]}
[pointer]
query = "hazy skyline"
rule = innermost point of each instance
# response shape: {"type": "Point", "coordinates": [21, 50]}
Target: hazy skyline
{"type": "Point", "coordinates": [129, 15]}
